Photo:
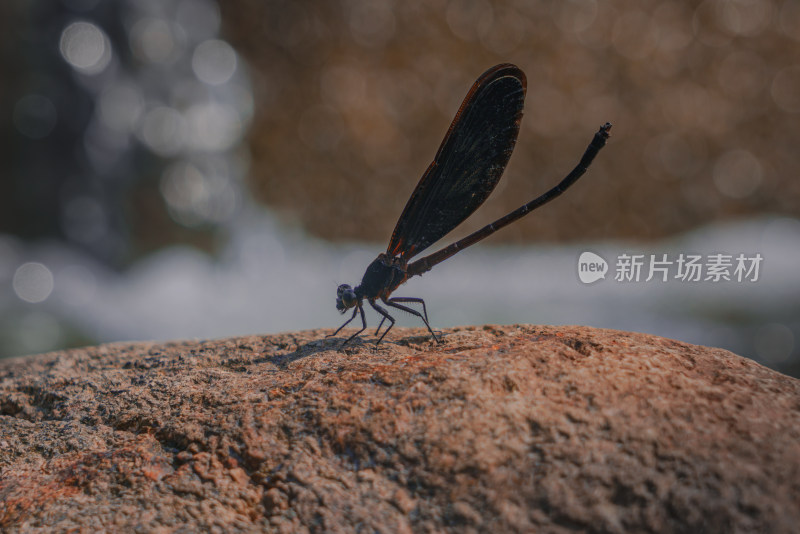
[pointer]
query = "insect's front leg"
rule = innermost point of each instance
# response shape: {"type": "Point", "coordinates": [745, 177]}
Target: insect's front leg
{"type": "Point", "coordinates": [360, 309]}
{"type": "Point", "coordinates": [347, 322]}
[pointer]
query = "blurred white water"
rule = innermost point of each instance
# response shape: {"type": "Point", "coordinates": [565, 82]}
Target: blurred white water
{"type": "Point", "coordinates": [270, 278]}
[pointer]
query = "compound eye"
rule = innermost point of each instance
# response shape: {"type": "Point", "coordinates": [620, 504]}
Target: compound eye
{"type": "Point", "coordinates": [345, 297]}
{"type": "Point", "coordinates": [342, 289]}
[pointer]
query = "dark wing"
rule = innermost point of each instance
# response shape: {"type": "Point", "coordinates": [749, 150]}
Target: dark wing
{"type": "Point", "coordinates": [469, 162]}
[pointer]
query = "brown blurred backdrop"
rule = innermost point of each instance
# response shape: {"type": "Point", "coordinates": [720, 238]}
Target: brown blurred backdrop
{"type": "Point", "coordinates": [353, 98]}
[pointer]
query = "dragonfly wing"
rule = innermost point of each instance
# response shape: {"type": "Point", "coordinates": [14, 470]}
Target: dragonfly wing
{"type": "Point", "coordinates": [469, 163]}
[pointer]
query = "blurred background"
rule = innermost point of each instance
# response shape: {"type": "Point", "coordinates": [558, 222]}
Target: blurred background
{"type": "Point", "coordinates": [194, 169]}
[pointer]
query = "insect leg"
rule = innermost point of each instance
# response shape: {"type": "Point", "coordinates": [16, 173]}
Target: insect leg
{"type": "Point", "coordinates": [355, 311]}
{"type": "Point", "coordinates": [385, 316]}
{"type": "Point", "coordinates": [383, 320]}
{"type": "Point", "coordinates": [363, 324]}
{"type": "Point", "coordinates": [393, 302]}
{"type": "Point", "coordinates": [410, 299]}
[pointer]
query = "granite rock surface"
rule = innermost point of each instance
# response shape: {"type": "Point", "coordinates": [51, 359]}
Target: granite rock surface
{"type": "Point", "coordinates": [498, 429]}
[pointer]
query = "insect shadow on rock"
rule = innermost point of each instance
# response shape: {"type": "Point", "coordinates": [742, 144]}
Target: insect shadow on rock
{"type": "Point", "coordinates": [464, 172]}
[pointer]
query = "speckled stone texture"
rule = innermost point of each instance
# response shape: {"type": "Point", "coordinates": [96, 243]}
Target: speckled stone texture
{"type": "Point", "coordinates": [497, 429]}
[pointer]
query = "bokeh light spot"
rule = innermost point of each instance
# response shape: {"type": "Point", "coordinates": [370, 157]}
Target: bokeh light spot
{"type": "Point", "coordinates": [746, 17]}
{"type": "Point", "coordinates": [84, 219]}
{"type": "Point", "coordinates": [213, 126]}
{"type": "Point", "coordinates": [33, 282]}
{"type": "Point", "coordinates": [214, 62]}
{"type": "Point", "coordinates": [737, 173]}
{"type": "Point", "coordinates": [634, 35]}
{"type": "Point", "coordinates": [742, 74]}
{"type": "Point", "coordinates": [120, 106]}
{"type": "Point", "coordinates": [789, 20]}
{"type": "Point", "coordinates": [574, 16]}
{"type": "Point", "coordinates": [199, 18]}
{"type": "Point", "coordinates": [465, 16]}
{"type": "Point", "coordinates": [197, 196]}
{"type": "Point", "coordinates": [372, 23]}
{"type": "Point", "coordinates": [343, 87]}
{"type": "Point", "coordinates": [504, 32]}
{"type": "Point", "coordinates": [85, 47]}
{"type": "Point", "coordinates": [34, 116]}
{"type": "Point", "coordinates": [786, 89]}
{"type": "Point", "coordinates": [674, 30]}
{"type": "Point", "coordinates": [706, 24]}
{"type": "Point", "coordinates": [163, 130]}
{"type": "Point", "coordinates": [154, 40]}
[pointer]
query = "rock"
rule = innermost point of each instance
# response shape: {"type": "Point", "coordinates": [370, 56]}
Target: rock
{"type": "Point", "coordinates": [498, 429]}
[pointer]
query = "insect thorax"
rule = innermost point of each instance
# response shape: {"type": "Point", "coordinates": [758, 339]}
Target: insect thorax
{"type": "Point", "coordinates": [382, 277]}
